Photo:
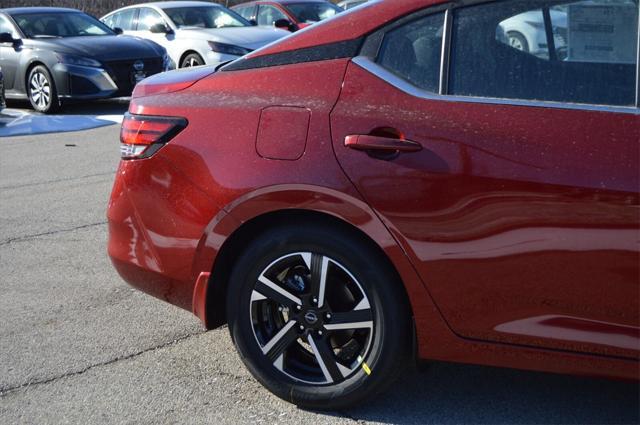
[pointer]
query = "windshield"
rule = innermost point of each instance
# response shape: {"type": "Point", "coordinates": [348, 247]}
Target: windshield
{"type": "Point", "coordinates": [312, 12]}
{"type": "Point", "coordinates": [60, 24]}
{"type": "Point", "coordinates": [205, 17]}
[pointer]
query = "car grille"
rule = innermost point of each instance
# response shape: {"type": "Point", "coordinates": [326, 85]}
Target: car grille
{"type": "Point", "coordinates": [121, 73]}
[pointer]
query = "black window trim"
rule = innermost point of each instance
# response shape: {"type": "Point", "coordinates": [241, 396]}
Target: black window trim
{"type": "Point", "coordinates": [371, 49]}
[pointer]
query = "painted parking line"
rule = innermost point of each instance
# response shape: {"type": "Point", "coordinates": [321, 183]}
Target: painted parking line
{"type": "Point", "coordinates": [14, 122]}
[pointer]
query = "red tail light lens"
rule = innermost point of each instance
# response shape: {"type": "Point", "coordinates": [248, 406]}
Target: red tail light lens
{"type": "Point", "coordinates": [141, 136]}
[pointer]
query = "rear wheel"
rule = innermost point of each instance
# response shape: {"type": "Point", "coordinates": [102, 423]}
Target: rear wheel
{"type": "Point", "coordinates": [41, 90]}
{"type": "Point", "coordinates": [192, 59]}
{"type": "Point", "coordinates": [318, 317]}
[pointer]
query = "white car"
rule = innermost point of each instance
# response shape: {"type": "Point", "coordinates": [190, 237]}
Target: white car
{"type": "Point", "coordinates": [193, 32]}
{"type": "Point", "coordinates": [526, 32]}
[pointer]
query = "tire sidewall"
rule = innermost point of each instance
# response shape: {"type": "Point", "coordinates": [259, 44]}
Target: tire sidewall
{"type": "Point", "coordinates": [390, 329]}
{"type": "Point", "coordinates": [195, 55]}
{"type": "Point", "coordinates": [53, 97]}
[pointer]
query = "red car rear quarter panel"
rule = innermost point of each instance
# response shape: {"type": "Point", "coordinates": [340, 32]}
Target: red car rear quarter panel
{"type": "Point", "coordinates": [212, 166]}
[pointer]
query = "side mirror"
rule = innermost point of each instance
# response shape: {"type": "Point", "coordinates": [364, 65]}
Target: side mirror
{"type": "Point", "coordinates": [253, 22]}
{"type": "Point", "coordinates": [160, 29]}
{"type": "Point", "coordinates": [118, 30]}
{"type": "Point", "coordinates": [6, 37]}
{"type": "Point", "coordinates": [284, 24]}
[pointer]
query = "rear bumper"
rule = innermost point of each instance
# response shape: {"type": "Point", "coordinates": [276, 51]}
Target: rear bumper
{"type": "Point", "coordinates": [157, 226]}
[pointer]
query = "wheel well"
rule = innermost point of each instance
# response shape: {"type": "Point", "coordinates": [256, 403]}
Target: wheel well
{"type": "Point", "coordinates": [233, 246]}
{"type": "Point", "coordinates": [185, 54]}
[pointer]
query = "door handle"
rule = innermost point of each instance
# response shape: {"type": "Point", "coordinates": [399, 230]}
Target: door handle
{"type": "Point", "coordinates": [363, 142]}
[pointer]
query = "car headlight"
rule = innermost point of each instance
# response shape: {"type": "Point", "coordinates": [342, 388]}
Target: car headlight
{"type": "Point", "coordinates": [228, 49]}
{"type": "Point", "coordinates": [77, 60]}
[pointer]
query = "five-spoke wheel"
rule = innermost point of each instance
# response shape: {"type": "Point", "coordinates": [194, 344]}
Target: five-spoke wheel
{"type": "Point", "coordinates": [318, 316]}
{"type": "Point", "coordinates": [311, 318]}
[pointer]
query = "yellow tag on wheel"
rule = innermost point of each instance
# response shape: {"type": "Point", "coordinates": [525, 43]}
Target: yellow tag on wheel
{"type": "Point", "coordinates": [364, 366]}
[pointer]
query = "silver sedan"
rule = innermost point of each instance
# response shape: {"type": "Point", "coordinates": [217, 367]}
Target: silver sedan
{"type": "Point", "coordinates": [193, 32]}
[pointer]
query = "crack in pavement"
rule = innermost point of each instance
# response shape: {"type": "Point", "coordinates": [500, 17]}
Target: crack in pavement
{"type": "Point", "coordinates": [6, 391]}
{"type": "Point", "coordinates": [53, 232]}
{"type": "Point", "coordinates": [67, 179]}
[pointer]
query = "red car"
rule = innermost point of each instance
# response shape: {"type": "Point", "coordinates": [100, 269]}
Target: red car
{"type": "Point", "coordinates": [397, 183]}
{"type": "Point", "coordinates": [287, 14]}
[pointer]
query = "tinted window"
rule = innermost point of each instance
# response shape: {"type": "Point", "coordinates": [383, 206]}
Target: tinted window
{"type": "Point", "coordinates": [413, 51]}
{"type": "Point", "coordinates": [268, 15]}
{"type": "Point", "coordinates": [354, 4]}
{"type": "Point", "coordinates": [123, 20]}
{"type": "Point", "coordinates": [307, 13]}
{"type": "Point", "coordinates": [60, 24]}
{"type": "Point", "coordinates": [580, 52]}
{"type": "Point", "coordinates": [246, 12]}
{"type": "Point", "coordinates": [205, 17]}
{"type": "Point", "coordinates": [148, 18]}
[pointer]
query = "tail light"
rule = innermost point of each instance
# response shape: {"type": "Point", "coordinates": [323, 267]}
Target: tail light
{"type": "Point", "coordinates": [141, 136]}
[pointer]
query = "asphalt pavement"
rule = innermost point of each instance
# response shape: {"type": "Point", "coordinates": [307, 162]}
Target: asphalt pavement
{"type": "Point", "coordinates": [77, 345]}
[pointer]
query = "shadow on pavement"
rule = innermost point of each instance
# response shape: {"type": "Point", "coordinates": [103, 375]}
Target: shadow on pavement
{"type": "Point", "coordinates": [462, 394]}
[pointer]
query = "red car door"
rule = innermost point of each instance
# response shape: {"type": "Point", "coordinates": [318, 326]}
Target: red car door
{"type": "Point", "coordinates": [512, 183]}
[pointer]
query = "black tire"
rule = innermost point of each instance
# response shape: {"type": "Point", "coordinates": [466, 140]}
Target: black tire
{"type": "Point", "coordinates": [192, 59]}
{"type": "Point", "coordinates": [367, 358]}
{"type": "Point", "coordinates": [41, 90]}
{"type": "Point", "coordinates": [518, 41]}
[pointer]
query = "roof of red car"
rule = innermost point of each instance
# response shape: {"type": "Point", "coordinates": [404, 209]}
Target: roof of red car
{"type": "Point", "coordinates": [348, 25]}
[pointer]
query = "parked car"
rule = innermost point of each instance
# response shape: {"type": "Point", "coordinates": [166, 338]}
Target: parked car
{"type": "Point", "coordinates": [193, 32]}
{"type": "Point", "coordinates": [51, 55]}
{"type": "Point", "coordinates": [348, 203]}
{"type": "Point", "coordinates": [350, 4]}
{"type": "Point", "coordinates": [290, 14]}
{"type": "Point", "coordinates": [526, 31]}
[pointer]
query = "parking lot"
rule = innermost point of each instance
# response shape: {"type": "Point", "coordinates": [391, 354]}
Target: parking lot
{"type": "Point", "coordinates": [78, 345]}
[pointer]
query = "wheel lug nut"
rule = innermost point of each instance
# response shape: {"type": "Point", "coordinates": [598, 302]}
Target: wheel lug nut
{"type": "Point", "coordinates": [280, 309]}
{"type": "Point", "coordinates": [320, 333]}
{"type": "Point", "coordinates": [301, 327]}
{"type": "Point", "coordinates": [315, 301]}
{"type": "Point", "coordinates": [328, 316]}
{"type": "Point", "coordinates": [298, 308]}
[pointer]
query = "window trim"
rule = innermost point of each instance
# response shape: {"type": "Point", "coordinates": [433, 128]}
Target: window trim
{"type": "Point", "coordinates": [367, 64]}
{"type": "Point", "coordinates": [373, 42]}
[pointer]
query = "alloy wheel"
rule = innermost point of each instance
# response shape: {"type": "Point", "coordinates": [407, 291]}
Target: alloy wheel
{"type": "Point", "coordinates": [40, 89]}
{"type": "Point", "coordinates": [311, 318]}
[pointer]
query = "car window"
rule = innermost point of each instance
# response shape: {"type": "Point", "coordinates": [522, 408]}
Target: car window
{"type": "Point", "coordinates": [413, 51]}
{"type": "Point", "coordinates": [578, 52]}
{"type": "Point", "coordinates": [354, 4]}
{"type": "Point", "coordinates": [148, 18]}
{"type": "Point", "coordinates": [204, 17]}
{"type": "Point", "coordinates": [268, 15]}
{"type": "Point", "coordinates": [308, 13]}
{"type": "Point", "coordinates": [246, 12]}
{"type": "Point", "coordinates": [5, 26]}
{"type": "Point", "coordinates": [123, 20]}
{"type": "Point", "coordinates": [60, 24]}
